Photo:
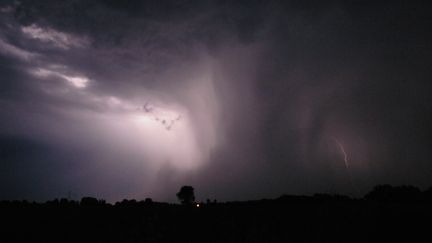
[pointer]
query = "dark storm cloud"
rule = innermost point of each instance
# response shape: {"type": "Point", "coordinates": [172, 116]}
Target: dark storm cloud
{"type": "Point", "coordinates": [161, 34]}
{"type": "Point", "coordinates": [288, 79]}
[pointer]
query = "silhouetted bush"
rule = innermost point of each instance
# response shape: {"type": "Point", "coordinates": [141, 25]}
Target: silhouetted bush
{"type": "Point", "coordinates": [329, 197]}
{"type": "Point", "coordinates": [388, 193]}
{"type": "Point", "coordinates": [91, 202]}
{"type": "Point", "coordinates": [428, 194]}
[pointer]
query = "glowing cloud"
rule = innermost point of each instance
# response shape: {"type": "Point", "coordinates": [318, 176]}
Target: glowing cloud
{"type": "Point", "coordinates": [58, 39]}
{"type": "Point", "coordinates": [16, 52]}
{"type": "Point", "coordinates": [75, 80]}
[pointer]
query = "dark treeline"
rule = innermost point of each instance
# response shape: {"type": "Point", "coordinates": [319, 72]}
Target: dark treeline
{"type": "Point", "coordinates": [386, 214]}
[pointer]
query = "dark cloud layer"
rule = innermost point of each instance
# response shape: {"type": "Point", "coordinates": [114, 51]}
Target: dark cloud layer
{"type": "Point", "coordinates": [269, 90]}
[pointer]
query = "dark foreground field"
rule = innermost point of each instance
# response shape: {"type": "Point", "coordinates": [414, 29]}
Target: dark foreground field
{"type": "Point", "coordinates": [380, 217]}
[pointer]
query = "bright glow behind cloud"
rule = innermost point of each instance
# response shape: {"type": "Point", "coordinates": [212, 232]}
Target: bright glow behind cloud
{"type": "Point", "coordinates": [175, 130]}
{"type": "Point", "coordinates": [144, 136]}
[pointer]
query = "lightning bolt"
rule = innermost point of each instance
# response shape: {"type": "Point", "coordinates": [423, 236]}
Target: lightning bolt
{"type": "Point", "coordinates": [342, 149]}
{"type": "Point", "coordinates": [345, 159]}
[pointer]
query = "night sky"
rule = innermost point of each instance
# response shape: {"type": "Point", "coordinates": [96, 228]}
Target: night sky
{"type": "Point", "coordinates": [240, 99]}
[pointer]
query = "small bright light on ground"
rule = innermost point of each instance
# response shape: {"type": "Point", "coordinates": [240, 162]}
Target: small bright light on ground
{"type": "Point", "coordinates": [197, 205]}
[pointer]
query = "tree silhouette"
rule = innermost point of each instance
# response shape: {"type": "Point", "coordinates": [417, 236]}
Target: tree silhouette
{"type": "Point", "coordinates": [186, 195]}
{"type": "Point", "coordinates": [388, 193]}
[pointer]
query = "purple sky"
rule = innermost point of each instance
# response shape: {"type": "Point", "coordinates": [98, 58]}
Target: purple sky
{"type": "Point", "coordinates": [241, 100]}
